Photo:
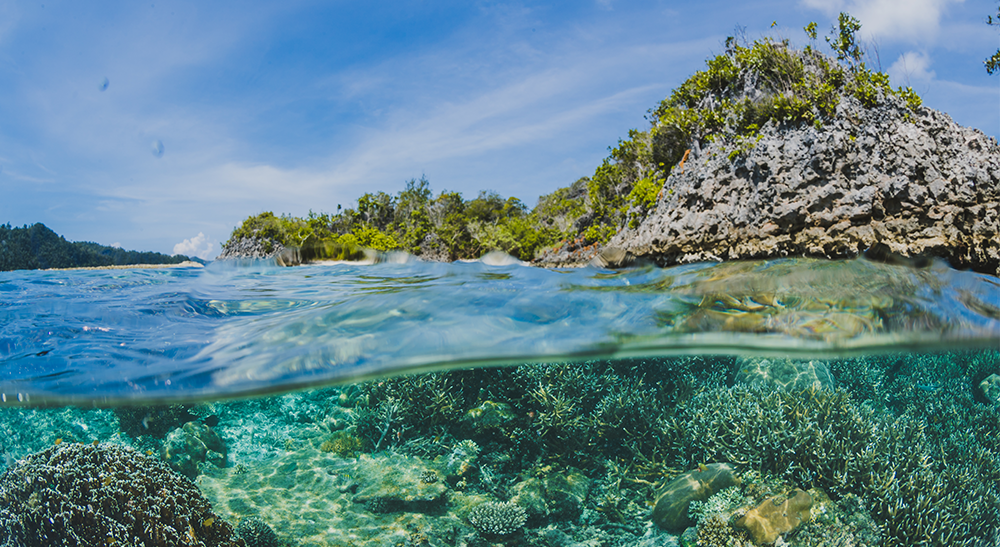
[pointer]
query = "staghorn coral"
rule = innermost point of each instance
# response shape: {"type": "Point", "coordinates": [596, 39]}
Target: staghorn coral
{"type": "Point", "coordinates": [102, 494]}
{"type": "Point", "coordinates": [929, 474]}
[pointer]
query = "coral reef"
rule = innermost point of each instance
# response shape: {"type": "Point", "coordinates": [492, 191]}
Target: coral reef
{"type": "Point", "coordinates": [671, 509]}
{"type": "Point", "coordinates": [256, 533]}
{"type": "Point", "coordinates": [98, 494]}
{"type": "Point", "coordinates": [24, 432]}
{"type": "Point", "coordinates": [990, 388]}
{"type": "Point", "coordinates": [155, 421]}
{"type": "Point", "coordinates": [497, 519]}
{"type": "Point", "coordinates": [553, 496]}
{"type": "Point", "coordinates": [777, 515]}
{"type": "Point", "coordinates": [937, 456]}
{"type": "Point", "coordinates": [342, 443]}
{"type": "Point", "coordinates": [193, 444]}
{"type": "Point", "coordinates": [903, 445]}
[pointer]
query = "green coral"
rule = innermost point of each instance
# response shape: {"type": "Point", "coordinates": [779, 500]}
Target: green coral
{"type": "Point", "coordinates": [343, 444]}
{"type": "Point", "coordinates": [497, 519]}
{"type": "Point", "coordinates": [719, 504]}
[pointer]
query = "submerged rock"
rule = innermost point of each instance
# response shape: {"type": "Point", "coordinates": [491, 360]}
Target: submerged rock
{"type": "Point", "coordinates": [194, 443]}
{"type": "Point", "coordinates": [776, 515]}
{"type": "Point", "coordinates": [990, 387]}
{"type": "Point", "coordinates": [787, 374]}
{"type": "Point", "coordinates": [671, 509]}
{"type": "Point", "coordinates": [555, 496]}
{"type": "Point", "coordinates": [396, 483]}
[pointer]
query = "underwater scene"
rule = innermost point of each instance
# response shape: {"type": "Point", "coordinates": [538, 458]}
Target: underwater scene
{"type": "Point", "coordinates": [406, 403]}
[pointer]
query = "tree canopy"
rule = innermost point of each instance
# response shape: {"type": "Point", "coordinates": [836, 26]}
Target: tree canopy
{"type": "Point", "coordinates": [37, 247]}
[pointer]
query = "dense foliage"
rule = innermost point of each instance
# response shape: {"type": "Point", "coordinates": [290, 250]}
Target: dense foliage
{"type": "Point", "coordinates": [37, 247]}
{"type": "Point", "coordinates": [740, 92]}
{"type": "Point", "coordinates": [447, 226]}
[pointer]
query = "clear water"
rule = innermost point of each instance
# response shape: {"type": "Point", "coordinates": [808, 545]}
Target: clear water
{"type": "Point", "coordinates": [487, 376]}
{"type": "Point", "coordinates": [111, 336]}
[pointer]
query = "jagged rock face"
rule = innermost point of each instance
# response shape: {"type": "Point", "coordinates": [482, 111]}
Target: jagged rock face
{"type": "Point", "coordinates": [250, 248]}
{"type": "Point", "coordinates": [916, 182]}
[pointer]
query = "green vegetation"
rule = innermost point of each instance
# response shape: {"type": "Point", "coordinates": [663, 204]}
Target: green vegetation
{"type": "Point", "coordinates": [993, 63]}
{"type": "Point", "coordinates": [37, 247]}
{"type": "Point", "coordinates": [740, 92]}
{"type": "Point", "coordinates": [413, 221]}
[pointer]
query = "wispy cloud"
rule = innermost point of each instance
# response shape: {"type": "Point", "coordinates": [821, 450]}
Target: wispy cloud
{"type": "Point", "coordinates": [912, 21]}
{"type": "Point", "coordinates": [910, 68]}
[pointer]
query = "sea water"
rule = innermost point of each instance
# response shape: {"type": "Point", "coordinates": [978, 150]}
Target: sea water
{"type": "Point", "coordinates": [619, 379]}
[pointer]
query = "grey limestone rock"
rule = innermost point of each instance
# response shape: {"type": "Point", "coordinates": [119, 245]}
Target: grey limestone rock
{"type": "Point", "coordinates": [913, 181]}
{"type": "Point", "coordinates": [250, 247]}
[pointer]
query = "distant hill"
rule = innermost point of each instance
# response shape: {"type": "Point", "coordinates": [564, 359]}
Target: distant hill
{"type": "Point", "coordinates": [37, 247]}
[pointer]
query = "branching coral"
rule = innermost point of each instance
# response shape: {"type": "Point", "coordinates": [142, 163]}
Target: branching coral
{"type": "Point", "coordinates": [497, 519]}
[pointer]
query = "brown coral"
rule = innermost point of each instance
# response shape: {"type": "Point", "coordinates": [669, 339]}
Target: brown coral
{"type": "Point", "coordinates": [77, 494]}
{"type": "Point", "coordinates": [775, 516]}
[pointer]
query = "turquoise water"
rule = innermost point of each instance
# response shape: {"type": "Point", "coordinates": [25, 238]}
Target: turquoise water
{"type": "Point", "coordinates": [398, 403]}
{"type": "Point", "coordinates": [110, 336]}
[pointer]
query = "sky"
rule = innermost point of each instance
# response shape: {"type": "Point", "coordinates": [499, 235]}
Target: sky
{"type": "Point", "coordinates": [160, 126]}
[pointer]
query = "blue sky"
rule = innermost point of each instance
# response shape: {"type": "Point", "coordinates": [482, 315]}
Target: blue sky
{"type": "Point", "coordinates": [162, 125]}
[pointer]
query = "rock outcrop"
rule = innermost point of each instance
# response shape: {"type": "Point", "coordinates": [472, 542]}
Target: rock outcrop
{"type": "Point", "coordinates": [250, 247]}
{"type": "Point", "coordinates": [776, 516]}
{"type": "Point", "coordinates": [671, 509]}
{"type": "Point", "coordinates": [913, 181]}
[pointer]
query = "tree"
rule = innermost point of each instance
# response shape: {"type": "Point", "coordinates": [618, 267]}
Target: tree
{"type": "Point", "coordinates": [844, 40]}
{"type": "Point", "coordinates": [993, 63]}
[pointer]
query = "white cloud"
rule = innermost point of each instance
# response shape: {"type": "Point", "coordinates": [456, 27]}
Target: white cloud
{"type": "Point", "coordinates": [117, 245]}
{"type": "Point", "coordinates": [915, 21]}
{"type": "Point", "coordinates": [198, 246]}
{"type": "Point", "coordinates": [911, 67]}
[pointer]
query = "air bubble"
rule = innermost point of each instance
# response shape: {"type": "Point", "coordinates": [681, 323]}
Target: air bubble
{"type": "Point", "coordinates": [104, 84]}
{"type": "Point", "coordinates": [157, 148]}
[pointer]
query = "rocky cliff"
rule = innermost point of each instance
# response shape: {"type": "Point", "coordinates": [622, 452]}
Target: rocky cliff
{"type": "Point", "coordinates": [911, 179]}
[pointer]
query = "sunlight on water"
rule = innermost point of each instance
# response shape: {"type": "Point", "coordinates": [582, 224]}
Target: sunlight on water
{"type": "Point", "coordinates": [233, 329]}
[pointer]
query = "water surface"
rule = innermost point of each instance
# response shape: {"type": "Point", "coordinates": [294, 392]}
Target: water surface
{"type": "Point", "coordinates": [235, 328]}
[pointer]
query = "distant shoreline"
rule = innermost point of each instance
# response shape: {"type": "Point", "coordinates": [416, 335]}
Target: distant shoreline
{"type": "Point", "coordinates": [185, 264]}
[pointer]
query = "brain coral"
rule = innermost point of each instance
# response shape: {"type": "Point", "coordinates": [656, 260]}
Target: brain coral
{"type": "Point", "coordinates": [76, 494]}
{"type": "Point", "coordinates": [256, 533]}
